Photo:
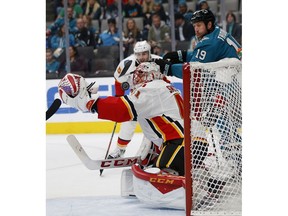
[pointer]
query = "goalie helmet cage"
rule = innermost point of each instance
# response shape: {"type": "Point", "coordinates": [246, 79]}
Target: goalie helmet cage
{"type": "Point", "coordinates": [213, 144]}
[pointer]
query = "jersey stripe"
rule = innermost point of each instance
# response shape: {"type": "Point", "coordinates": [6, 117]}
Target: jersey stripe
{"type": "Point", "coordinates": [174, 154]}
{"type": "Point", "coordinates": [177, 125]}
{"type": "Point", "coordinates": [160, 156]}
{"type": "Point", "coordinates": [154, 129]}
{"type": "Point", "coordinates": [180, 104]}
{"type": "Point", "coordinates": [130, 107]}
{"type": "Point", "coordinates": [166, 128]}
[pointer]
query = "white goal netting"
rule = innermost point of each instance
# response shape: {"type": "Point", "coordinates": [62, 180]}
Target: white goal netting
{"type": "Point", "coordinates": [214, 155]}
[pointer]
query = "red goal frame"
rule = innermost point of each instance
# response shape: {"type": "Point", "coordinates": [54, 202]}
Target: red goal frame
{"type": "Point", "coordinates": [187, 148]}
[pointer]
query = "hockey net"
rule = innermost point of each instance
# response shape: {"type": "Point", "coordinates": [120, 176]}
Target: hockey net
{"type": "Point", "coordinates": [213, 145]}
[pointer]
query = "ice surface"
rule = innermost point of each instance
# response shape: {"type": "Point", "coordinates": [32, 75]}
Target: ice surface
{"type": "Point", "coordinates": [73, 190]}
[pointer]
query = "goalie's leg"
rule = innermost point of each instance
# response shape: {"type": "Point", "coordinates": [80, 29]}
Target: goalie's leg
{"type": "Point", "coordinates": [172, 156]}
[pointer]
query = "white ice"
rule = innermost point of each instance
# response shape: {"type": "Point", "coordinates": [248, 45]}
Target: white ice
{"type": "Point", "coordinates": [74, 190]}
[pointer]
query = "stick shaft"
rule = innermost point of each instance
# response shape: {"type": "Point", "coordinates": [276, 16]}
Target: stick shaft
{"type": "Point", "coordinates": [109, 145]}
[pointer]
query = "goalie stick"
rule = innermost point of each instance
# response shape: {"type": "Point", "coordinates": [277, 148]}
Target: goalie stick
{"type": "Point", "coordinates": [53, 108]}
{"type": "Point", "coordinates": [99, 164]}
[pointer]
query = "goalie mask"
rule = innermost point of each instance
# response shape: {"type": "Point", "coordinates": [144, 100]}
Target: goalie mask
{"type": "Point", "coordinates": [142, 51]}
{"type": "Point", "coordinates": [146, 72]}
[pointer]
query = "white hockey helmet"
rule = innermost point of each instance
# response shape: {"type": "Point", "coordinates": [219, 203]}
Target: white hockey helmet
{"type": "Point", "coordinates": [146, 72]}
{"type": "Point", "coordinates": [142, 46]}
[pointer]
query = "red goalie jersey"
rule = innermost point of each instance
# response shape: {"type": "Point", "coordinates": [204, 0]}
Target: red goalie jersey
{"type": "Point", "coordinates": [157, 106]}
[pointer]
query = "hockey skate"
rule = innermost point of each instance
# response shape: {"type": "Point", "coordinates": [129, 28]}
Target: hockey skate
{"type": "Point", "coordinates": [117, 153]}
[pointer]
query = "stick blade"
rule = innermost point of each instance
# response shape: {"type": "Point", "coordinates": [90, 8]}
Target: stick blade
{"type": "Point", "coordinates": [81, 153]}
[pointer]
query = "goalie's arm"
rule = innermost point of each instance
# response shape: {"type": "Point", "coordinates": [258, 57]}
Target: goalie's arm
{"type": "Point", "coordinates": [118, 109]}
{"type": "Point", "coordinates": [74, 92]}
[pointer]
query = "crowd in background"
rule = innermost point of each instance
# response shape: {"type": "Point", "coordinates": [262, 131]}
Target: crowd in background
{"type": "Point", "coordinates": [95, 24]}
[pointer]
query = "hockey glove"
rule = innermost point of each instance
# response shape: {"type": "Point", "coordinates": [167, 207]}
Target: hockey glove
{"type": "Point", "coordinates": [74, 92]}
{"type": "Point", "coordinates": [165, 66]}
{"type": "Point", "coordinates": [176, 57]}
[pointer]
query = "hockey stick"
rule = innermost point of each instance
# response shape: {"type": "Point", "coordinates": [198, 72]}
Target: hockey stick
{"type": "Point", "coordinates": [99, 164]}
{"type": "Point", "coordinates": [108, 149]}
{"type": "Point", "coordinates": [53, 108]}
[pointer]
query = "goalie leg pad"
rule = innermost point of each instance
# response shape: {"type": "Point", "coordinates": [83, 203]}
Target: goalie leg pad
{"type": "Point", "coordinates": [144, 148]}
{"type": "Point", "coordinates": [127, 183]}
{"type": "Point", "coordinates": [148, 152]}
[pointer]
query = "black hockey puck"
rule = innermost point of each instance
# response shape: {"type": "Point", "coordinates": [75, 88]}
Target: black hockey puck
{"type": "Point", "coordinates": [125, 86]}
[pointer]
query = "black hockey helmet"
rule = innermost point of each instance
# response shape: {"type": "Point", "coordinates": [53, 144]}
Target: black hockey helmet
{"type": "Point", "coordinates": [203, 15]}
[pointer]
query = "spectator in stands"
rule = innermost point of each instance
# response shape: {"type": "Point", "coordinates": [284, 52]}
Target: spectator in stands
{"type": "Point", "coordinates": [148, 10]}
{"type": "Point", "coordinates": [147, 6]}
{"type": "Point", "coordinates": [183, 9]}
{"type": "Point", "coordinates": [132, 9]}
{"type": "Point", "coordinates": [157, 50]}
{"type": "Point", "coordinates": [77, 10]}
{"type": "Point", "coordinates": [78, 64]}
{"type": "Point", "coordinates": [159, 31]}
{"type": "Point", "coordinates": [111, 36]}
{"type": "Point", "coordinates": [54, 27]}
{"type": "Point", "coordinates": [112, 10]}
{"type": "Point", "coordinates": [52, 65]}
{"type": "Point", "coordinates": [158, 9]}
{"type": "Point", "coordinates": [88, 24]}
{"type": "Point", "coordinates": [58, 40]}
{"type": "Point", "coordinates": [132, 34]}
{"type": "Point", "coordinates": [83, 36]}
{"type": "Point", "coordinates": [233, 27]}
{"type": "Point", "coordinates": [58, 5]}
{"type": "Point", "coordinates": [202, 4]}
{"type": "Point", "coordinates": [184, 30]}
{"type": "Point", "coordinates": [92, 8]}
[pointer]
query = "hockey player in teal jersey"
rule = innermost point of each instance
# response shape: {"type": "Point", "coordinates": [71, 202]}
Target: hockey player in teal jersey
{"type": "Point", "coordinates": [214, 44]}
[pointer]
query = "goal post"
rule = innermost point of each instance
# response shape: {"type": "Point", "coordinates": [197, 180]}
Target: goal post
{"type": "Point", "coordinates": [213, 141]}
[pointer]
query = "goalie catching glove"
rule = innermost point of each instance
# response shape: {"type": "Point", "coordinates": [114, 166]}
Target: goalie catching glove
{"type": "Point", "coordinates": [176, 57]}
{"type": "Point", "coordinates": [75, 92]}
